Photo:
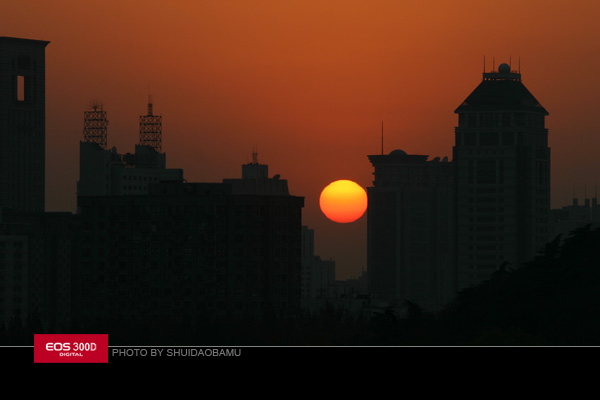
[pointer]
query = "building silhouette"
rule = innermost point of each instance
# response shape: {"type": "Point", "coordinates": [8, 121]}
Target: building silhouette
{"type": "Point", "coordinates": [105, 172]}
{"type": "Point", "coordinates": [318, 275]}
{"type": "Point", "coordinates": [502, 169]}
{"type": "Point", "coordinates": [191, 251]}
{"type": "Point", "coordinates": [569, 218]}
{"type": "Point", "coordinates": [410, 228]}
{"type": "Point", "coordinates": [22, 123]}
{"type": "Point", "coordinates": [435, 228]}
{"type": "Point", "coordinates": [255, 180]}
{"type": "Point", "coordinates": [146, 247]}
{"type": "Point", "coordinates": [157, 248]}
{"type": "Point", "coordinates": [38, 252]}
{"type": "Point", "coordinates": [36, 256]}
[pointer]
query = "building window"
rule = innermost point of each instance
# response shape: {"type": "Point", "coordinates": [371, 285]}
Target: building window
{"type": "Point", "coordinates": [488, 138]}
{"type": "Point", "coordinates": [469, 139]}
{"type": "Point", "coordinates": [20, 88]}
{"type": "Point", "coordinates": [486, 171]}
{"type": "Point", "coordinates": [508, 138]}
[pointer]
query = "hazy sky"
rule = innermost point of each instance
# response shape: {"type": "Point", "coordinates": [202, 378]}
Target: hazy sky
{"type": "Point", "coordinates": [307, 83]}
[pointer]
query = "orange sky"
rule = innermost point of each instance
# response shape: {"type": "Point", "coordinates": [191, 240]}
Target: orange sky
{"type": "Point", "coordinates": [308, 82]}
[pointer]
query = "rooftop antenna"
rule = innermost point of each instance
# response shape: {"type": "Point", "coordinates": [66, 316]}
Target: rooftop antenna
{"type": "Point", "coordinates": [95, 124]}
{"type": "Point", "coordinates": [484, 64]}
{"type": "Point", "coordinates": [255, 155]}
{"type": "Point", "coordinates": [151, 129]}
{"type": "Point", "coordinates": [149, 104]}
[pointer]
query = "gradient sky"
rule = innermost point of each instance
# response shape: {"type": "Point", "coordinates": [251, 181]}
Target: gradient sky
{"type": "Point", "coordinates": [308, 82]}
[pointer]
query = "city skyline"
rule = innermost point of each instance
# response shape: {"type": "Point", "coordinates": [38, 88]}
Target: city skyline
{"type": "Point", "coordinates": [308, 86]}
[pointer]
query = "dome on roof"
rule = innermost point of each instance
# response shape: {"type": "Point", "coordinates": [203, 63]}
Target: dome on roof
{"type": "Point", "coordinates": [398, 152]}
{"type": "Point", "coordinates": [504, 68]}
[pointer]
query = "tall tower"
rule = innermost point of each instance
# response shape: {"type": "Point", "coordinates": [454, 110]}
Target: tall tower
{"type": "Point", "coordinates": [502, 167]}
{"type": "Point", "coordinates": [22, 123]}
{"type": "Point", "coordinates": [151, 129]}
{"type": "Point", "coordinates": [95, 125]}
{"type": "Point", "coordinates": [410, 226]}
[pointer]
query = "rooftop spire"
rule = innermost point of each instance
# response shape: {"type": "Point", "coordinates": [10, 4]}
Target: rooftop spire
{"type": "Point", "coordinates": [149, 104]}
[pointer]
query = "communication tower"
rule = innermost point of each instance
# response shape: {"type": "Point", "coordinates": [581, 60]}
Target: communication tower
{"type": "Point", "coordinates": [95, 125]}
{"type": "Point", "coordinates": [151, 129]}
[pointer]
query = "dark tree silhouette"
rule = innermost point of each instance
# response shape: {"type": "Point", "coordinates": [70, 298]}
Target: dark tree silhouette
{"type": "Point", "coordinates": [551, 300]}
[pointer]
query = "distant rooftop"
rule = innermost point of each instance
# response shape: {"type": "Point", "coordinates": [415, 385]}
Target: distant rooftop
{"type": "Point", "coordinates": [401, 157]}
{"type": "Point", "coordinates": [14, 40]}
{"type": "Point", "coordinates": [503, 90]}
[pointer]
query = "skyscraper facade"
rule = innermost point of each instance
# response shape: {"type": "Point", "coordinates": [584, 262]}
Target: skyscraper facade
{"type": "Point", "coordinates": [502, 177]}
{"type": "Point", "coordinates": [22, 124]}
{"type": "Point", "coordinates": [190, 251]}
{"type": "Point", "coordinates": [410, 248]}
{"type": "Point", "coordinates": [435, 227]}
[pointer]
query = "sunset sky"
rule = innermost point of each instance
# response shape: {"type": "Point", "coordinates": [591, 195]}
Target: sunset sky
{"type": "Point", "coordinates": [308, 83]}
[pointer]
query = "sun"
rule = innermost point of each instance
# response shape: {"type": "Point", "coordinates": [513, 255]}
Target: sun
{"type": "Point", "coordinates": [343, 201]}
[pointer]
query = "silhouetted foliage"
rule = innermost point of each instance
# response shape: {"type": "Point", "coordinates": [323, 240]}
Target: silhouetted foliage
{"type": "Point", "coordinates": [551, 300]}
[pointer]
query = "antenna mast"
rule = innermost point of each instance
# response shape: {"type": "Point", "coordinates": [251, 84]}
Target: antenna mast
{"type": "Point", "coordinates": [95, 125]}
{"type": "Point", "coordinates": [151, 129]}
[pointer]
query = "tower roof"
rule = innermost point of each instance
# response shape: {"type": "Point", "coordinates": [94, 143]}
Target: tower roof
{"type": "Point", "coordinates": [22, 41]}
{"type": "Point", "coordinates": [501, 90]}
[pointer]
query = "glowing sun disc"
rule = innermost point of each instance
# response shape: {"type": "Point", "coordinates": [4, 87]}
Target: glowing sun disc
{"type": "Point", "coordinates": [343, 201]}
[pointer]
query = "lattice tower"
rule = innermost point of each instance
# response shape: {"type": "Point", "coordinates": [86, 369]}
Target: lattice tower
{"type": "Point", "coordinates": [95, 125]}
{"type": "Point", "coordinates": [151, 129]}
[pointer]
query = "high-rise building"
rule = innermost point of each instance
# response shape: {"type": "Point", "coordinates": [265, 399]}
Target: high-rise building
{"type": "Point", "coordinates": [318, 276]}
{"type": "Point", "coordinates": [190, 251]}
{"type": "Point", "coordinates": [435, 228]}
{"type": "Point", "coordinates": [502, 166]}
{"type": "Point", "coordinates": [410, 227]}
{"type": "Point", "coordinates": [37, 256]}
{"type": "Point", "coordinates": [22, 123]}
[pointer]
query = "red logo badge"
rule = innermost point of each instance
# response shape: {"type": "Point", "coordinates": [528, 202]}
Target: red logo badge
{"type": "Point", "coordinates": [70, 348]}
